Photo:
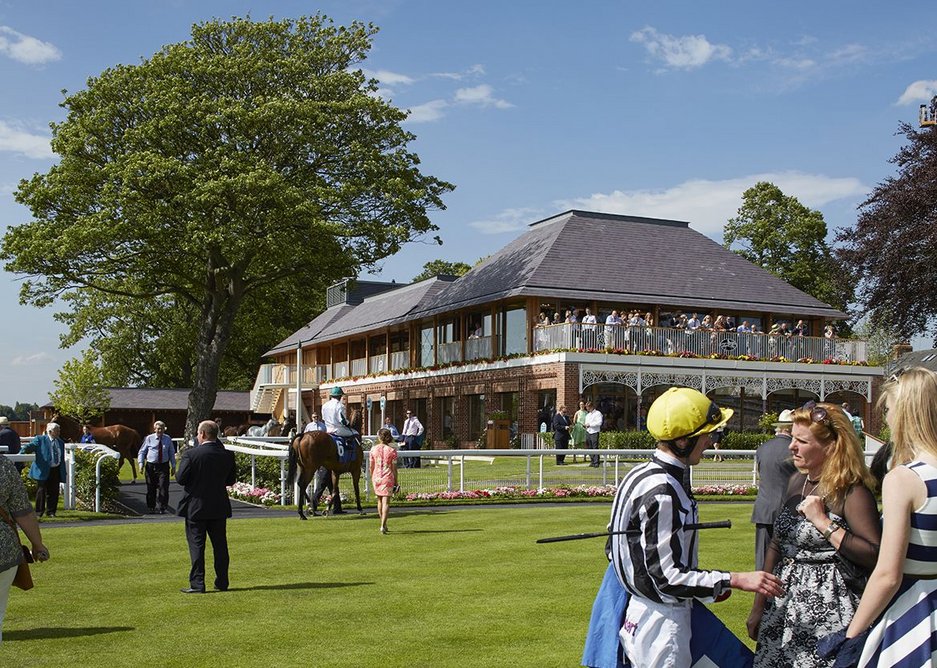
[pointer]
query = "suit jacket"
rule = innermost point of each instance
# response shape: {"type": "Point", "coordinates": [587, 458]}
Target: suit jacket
{"type": "Point", "coordinates": [560, 431]}
{"type": "Point", "coordinates": [775, 469]}
{"type": "Point", "coordinates": [204, 472]}
{"type": "Point", "coordinates": [43, 446]}
{"type": "Point", "coordinates": [11, 439]}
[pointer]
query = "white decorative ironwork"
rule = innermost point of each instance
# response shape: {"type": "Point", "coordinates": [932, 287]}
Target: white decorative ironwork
{"type": "Point", "coordinates": [773, 384]}
{"type": "Point", "coordinates": [862, 387]}
{"type": "Point", "coordinates": [596, 377]}
{"type": "Point", "coordinates": [680, 379]}
{"type": "Point", "coordinates": [752, 384]}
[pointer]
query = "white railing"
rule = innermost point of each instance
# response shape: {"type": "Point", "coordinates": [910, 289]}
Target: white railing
{"type": "Point", "coordinates": [377, 363]}
{"type": "Point", "coordinates": [284, 374]}
{"type": "Point", "coordinates": [697, 343]}
{"type": "Point", "coordinates": [478, 348]}
{"type": "Point", "coordinates": [359, 367]}
{"type": "Point", "coordinates": [400, 359]}
{"type": "Point", "coordinates": [449, 352]}
{"type": "Point", "coordinates": [341, 370]}
{"type": "Point", "coordinates": [263, 446]}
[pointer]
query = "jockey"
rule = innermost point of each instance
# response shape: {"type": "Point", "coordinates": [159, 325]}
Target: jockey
{"type": "Point", "coordinates": [333, 414]}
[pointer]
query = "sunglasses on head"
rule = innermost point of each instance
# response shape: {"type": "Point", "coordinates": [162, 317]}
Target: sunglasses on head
{"type": "Point", "coordinates": [819, 415]}
{"type": "Point", "coordinates": [895, 376]}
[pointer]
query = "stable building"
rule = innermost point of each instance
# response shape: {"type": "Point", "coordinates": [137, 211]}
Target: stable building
{"type": "Point", "coordinates": [460, 351]}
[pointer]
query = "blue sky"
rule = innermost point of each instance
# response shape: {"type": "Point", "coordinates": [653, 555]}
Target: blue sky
{"type": "Point", "coordinates": [668, 109]}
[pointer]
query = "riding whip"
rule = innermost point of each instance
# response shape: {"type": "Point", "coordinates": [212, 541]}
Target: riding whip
{"type": "Point", "coordinates": [722, 524]}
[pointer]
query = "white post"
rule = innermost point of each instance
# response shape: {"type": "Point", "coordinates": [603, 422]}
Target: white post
{"type": "Point", "coordinates": [299, 386]}
{"type": "Point", "coordinates": [283, 482]}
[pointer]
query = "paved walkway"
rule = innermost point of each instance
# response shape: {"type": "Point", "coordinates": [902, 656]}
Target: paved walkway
{"type": "Point", "coordinates": [133, 496]}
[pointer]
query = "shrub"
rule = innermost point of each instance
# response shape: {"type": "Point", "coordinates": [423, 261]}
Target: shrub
{"type": "Point", "coordinates": [85, 484]}
{"type": "Point", "coordinates": [766, 421]}
{"type": "Point", "coordinates": [627, 440]}
{"type": "Point", "coordinates": [28, 482]}
{"type": "Point", "coordinates": [744, 440]}
{"type": "Point", "coordinates": [268, 470]}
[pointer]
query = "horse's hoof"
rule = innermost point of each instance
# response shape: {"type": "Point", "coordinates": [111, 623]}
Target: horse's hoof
{"type": "Point", "coordinates": [303, 517]}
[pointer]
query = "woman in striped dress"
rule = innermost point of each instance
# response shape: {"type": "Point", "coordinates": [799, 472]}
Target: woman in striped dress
{"type": "Point", "coordinates": [902, 590]}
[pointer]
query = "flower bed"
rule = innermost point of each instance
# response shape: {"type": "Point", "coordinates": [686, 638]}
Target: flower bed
{"type": "Point", "coordinates": [582, 491]}
{"type": "Point", "coordinates": [259, 495]}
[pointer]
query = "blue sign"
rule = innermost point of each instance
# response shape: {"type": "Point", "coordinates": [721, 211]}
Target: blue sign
{"type": "Point", "coordinates": [383, 403]}
{"type": "Point", "coordinates": [368, 403]}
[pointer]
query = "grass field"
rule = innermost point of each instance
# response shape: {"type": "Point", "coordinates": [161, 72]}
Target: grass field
{"type": "Point", "coordinates": [449, 587]}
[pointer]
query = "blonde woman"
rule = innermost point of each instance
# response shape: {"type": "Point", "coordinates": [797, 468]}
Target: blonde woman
{"type": "Point", "coordinates": [829, 512]}
{"type": "Point", "coordinates": [383, 463]}
{"type": "Point", "coordinates": [902, 590]}
{"type": "Point", "coordinates": [578, 431]}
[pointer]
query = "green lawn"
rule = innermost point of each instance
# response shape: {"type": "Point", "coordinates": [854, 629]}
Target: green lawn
{"type": "Point", "coordinates": [445, 588]}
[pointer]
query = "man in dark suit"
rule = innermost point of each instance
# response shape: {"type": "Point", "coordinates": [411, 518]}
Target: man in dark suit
{"type": "Point", "coordinates": [561, 433]}
{"type": "Point", "coordinates": [775, 468]}
{"type": "Point", "coordinates": [204, 472]}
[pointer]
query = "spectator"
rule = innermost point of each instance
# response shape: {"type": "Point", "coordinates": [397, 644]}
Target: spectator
{"type": "Point", "coordinates": [900, 593]}
{"type": "Point", "coordinates": [716, 439]}
{"type": "Point", "coordinates": [659, 567]}
{"type": "Point", "coordinates": [10, 439]}
{"type": "Point", "coordinates": [48, 469]}
{"type": "Point", "coordinates": [857, 422]}
{"type": "Point", "coordinates": [707, 323]}
{"type": "Point", "coordinates": [682, 322]}
{"type": "Point", "coordinates": [561, 427]}
{"type": "Point", "coordinates": [578, 430]}
{"type": "Point", "coordinates": [800, 329]}
{"type": "Point", "coordinates": [157, 459]}
{"type": "Point", "coordinates": [593, 426]}
{"type": "Point", "coordinates": [383, 464]}
{"type": "Point", "coordinates": [829, 513]}
{"type": "Point", "coordinates": [720, 324]}
{"type": "Point", "coordinates": [15, 510]}
{"type": "Point", "coordinates": [314, 424]}
{"type": "Point", "coordinates": [86, 435]}
{"type": "Point", "coordinates": [775, 468]}
{"type": "Point", "coordinates": [693, 323]}
{"type": "Point", "coordinates": [205, 472]}
{"type": "Point", "coordinates": [612, 327]}
{"type": "Point", "coordinates": [589, 329]}
{"type": "Point", "coordinates": [412, 438]}
{"type": "Point", "coordinates": [744, 328]}
{"type": "Point", "coordinates": [389, 426]}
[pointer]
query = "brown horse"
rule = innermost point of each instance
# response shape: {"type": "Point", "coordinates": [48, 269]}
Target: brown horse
{"type": "Point", "coordinates": [312, 449]}
{"type": "Point", "coordinates": [125, 440]}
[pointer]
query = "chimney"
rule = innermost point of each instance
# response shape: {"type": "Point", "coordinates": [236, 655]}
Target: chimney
{"type": "Point", "coordinates": [900, 349]}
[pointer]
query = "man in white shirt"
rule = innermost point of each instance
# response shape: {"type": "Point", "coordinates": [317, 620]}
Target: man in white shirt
{"type": "Point", "coordinates": [593, 426]}
{"type": "Point", "coordinates": [315, 424]}
{"type": "Point", "coordinates": [589, 329]}
{"type": "Point", "coordinates": [412, 433]}
{"type": "Point", "coordinates": [693, 323]}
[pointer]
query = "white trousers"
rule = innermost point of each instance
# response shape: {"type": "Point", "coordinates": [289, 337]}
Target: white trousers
{"type": "Point", "coordinates": [6, 579]}
{"type": "Point", "coordinates": [656, 635]}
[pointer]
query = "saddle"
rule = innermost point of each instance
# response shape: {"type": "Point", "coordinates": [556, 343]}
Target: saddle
{"type": "Point", "coordinates": [346, 447]}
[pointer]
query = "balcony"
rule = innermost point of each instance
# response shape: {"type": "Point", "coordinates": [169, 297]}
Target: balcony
{"type": "Point", "coordinates": [478, 348]}
{"type": "Point", "coordinates": [272, 379]}
{"type": "Point", "coordinates": [399, 360]}
{"type": "Point", "coordinates": [697, 343]}
{"type": "Point", "coordinates": [447, 353]}
{"type": "Point", "coordinates": [359, 366]}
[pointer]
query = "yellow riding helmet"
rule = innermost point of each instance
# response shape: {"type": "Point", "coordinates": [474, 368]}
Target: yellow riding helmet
{"type": "Point", "coordinates": [681, 412]}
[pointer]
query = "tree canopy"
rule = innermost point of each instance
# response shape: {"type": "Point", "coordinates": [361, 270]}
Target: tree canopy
{"type": "Point", "coordinates": [194, 186]}
{"type": "Point", "coordinates": [436, 267]}
{"type": "Point", "coordinates": [79, 390]}
{"type": "Point", "coordinates": [778, 233]}
{"type": "Point", "coordinates": [892, 250]}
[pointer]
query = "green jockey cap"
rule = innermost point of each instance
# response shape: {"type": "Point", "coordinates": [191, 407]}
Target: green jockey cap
{"type": "Point", "coordinates": [336, 392]}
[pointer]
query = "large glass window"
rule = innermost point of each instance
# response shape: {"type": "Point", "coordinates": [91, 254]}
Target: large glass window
{"type": "Point", "coordinates": [515, 331]}
{"type": "Point", "coordinates": [426, 344]}
{"type": "Point", "coordinates": [447, 411]}
{"type": "Point", "coordinates": [476, 415]}
{"type": "Point", "coordinates": [546, 409]}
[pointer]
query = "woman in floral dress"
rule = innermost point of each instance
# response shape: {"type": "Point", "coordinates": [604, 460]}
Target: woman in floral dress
{"type": "Point", "coordinates": [383, 463]}
{"type": "Point", "coordinates": [829, 511]}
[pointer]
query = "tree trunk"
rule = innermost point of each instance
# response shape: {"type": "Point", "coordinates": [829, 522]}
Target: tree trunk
{"type": "Point", "coordinates": [218, 311]}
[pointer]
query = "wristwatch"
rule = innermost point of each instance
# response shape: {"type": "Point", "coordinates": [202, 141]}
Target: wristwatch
{"type": "Point", "coordinates": [834, 526]}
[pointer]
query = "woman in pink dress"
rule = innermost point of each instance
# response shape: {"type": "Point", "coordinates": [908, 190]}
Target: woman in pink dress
{"type": "Point", "coordinates": [383, 464]}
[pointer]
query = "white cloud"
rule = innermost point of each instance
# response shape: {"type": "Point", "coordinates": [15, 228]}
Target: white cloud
{"type": "Point", "coordinates": [509, 220]}
{"type": "Point", "coordinates": [473, 71]}
{"type": "Point", "coordinates": [389, 78]}
{"type": "Point", "coordinates": [680, 52]}
{"type": "Point", "coordinates": [30, 360]}
{"type": "Point", "coordinates": [705, 204]}
{"type": "Point", "coordinates": [26, 49]}
{"type": "Point", "coordinates": [482, 96]}
{"type": "Point", "coordinates": [427, 112]}
{"type": "Point", "coordinates": [919, 91]}
{"type": "Point", "coordinates": [16, 140]}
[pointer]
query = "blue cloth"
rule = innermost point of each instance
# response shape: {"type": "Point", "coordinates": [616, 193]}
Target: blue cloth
{"type": "Point", "coordinates": [149, 451]}
{"type": "Point", "coordinates": [48, 450]}
{"type": "Point", "coordinates": [87, 438]}
{"type": "Point", "coordinates": [709, 636]}
{"type": "Point", "coordinates": [346, 450]}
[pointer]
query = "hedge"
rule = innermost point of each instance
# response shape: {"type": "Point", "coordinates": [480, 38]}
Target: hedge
{"type": "Point", "coordinates": [85, 482]}
{"type": "Point", "coordinates": [268, 470]}
{"type": "Point", "coordinates": [642, 440]}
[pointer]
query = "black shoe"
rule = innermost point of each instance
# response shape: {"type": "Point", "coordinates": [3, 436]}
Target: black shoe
{"type": "Point", "coordinates": [192, 591]}
{"type": "Point", "coordinates": [162, 511]}
{"type": "Point", "coordinates": [217, 588]}
{"type": "Point", "coordinates": [151, 511]}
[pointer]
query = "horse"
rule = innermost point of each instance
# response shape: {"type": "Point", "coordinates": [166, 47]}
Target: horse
{"type": "Point", "coordinates": [312, 449]}
{"type": "Point", "coordinates": [125, 440]}
{"type": "Point", "coordinates": [272, 428]}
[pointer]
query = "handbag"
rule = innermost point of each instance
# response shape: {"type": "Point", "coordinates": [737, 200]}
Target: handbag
{"type": "Point", "coordinates": [23, 578]}
{"type": "Point", "coordinates": [854, 575]}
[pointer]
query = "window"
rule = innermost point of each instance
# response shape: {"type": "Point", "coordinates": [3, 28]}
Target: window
{"type": "Point", "coordinates": [546, 409]}
{"type": "Point", "coordinates": [515, 331]}
{"type": "Point", "coordinates": [447, 411]}
{"type": "Point", "coordinates": [426, 344]}
{"type": "Point", "coordinates": [477, 420]}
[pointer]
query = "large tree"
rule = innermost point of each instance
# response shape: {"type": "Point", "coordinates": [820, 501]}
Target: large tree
{"type": "Point", "coordinates": [436, 267]}
{"type": "Point", "coordinates": [79, 389]}
{"type": "Point", "coordinates": [254, 153]}
{"type": "Point", "coordinates": [777, 232]}
{"type": "Point", "coordinates": [892, 250]}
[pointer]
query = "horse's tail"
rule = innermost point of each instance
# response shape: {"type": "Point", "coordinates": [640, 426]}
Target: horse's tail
{"type": "Point", "coordinates": [293, 460]}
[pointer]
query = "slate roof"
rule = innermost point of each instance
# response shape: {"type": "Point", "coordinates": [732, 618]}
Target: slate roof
{"type": "Point", "coordinates": [157, 399]}
{"type": "Point", "coordinates": [925, 358]}
{"type": "Point", "coordinates": [376, 311]}
{"type": "Point", "coordinates": [580, 256]}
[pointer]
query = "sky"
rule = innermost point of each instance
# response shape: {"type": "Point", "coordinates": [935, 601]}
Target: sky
{"type": "Point", "coordinates": [531, 108]}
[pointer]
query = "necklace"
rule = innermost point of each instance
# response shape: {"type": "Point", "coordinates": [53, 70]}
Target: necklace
{"type": "Point", "coordinates": [815, 483]}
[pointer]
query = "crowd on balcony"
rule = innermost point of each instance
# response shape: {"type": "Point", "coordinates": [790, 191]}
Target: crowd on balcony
{"type": "Point", "coordinates": [711, 334]}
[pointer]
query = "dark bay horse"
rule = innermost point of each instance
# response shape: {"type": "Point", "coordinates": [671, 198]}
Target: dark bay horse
{"type": "Point", "coordinates": [312, 449]}
{"type": "Point", "coordinates": [125, 440]}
